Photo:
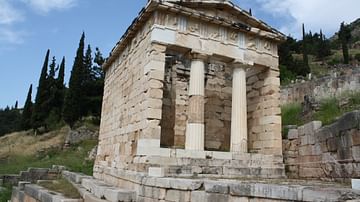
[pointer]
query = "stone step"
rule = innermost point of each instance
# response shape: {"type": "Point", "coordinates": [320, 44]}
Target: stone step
{"type": "Point", "coordinates": [75, 177]}
{"type": "Point", "coordinates": [41, 194]}
{"type": "Point", "coordinates": [104, 191]}
{"type": "Point", "coordinates": [220, 171]}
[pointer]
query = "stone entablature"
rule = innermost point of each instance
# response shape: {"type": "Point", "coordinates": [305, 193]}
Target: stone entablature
{"type": "Point", "coordinates": [181, 82]}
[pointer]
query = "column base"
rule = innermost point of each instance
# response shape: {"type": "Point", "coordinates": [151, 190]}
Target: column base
{"type": "Point", "coordinates": [195, 136]}
{"type": "Point", "coordinates": [240, 148]}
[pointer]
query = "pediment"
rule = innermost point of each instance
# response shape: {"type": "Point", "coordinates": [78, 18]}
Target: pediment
{"type": "Point", "coordinates": [224, 10]}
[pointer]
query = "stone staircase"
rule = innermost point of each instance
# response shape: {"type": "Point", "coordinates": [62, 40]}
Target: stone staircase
{"type": "Point", "coordinates": [95, 190]}
{"type": "Point", "coordinates": [246, 166]}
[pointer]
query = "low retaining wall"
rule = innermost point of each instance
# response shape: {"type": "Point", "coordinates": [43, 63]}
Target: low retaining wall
{"type": "Point", "coordinates": [35, 193]}
{"type": "Point", "coordinates": [324, 87]}
{"type": "Point", "coordinates": [329, 153]}
{"type": "Point", "coordinates": [32, 175]}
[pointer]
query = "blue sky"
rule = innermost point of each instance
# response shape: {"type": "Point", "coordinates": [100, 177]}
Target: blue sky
{"type": "Point", "coordinates": [29, 27]}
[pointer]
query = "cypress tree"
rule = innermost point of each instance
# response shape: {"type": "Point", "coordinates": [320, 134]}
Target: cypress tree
{"type": "Point", "coordinates": [88, 83]}
{"type": "Point", "coordinates": [88, 64]}
{"type": "Point", "coordinates": [41, 107]}
{"type": "Point", "coordinates": [323, 48]}
{"type": "Point", "coordinates": [60, 88]}
{"type": "Point", "coordinates": [61, 75]}
{"type": "Point", "coordinates": [27, 111]}
{"type": "Point", "coordinates": [306, 68]}
{"type": "Point", "coordinates": [345, 36]}
{"type": "Point", "coordinates": [74, 96]}
{"type": "Point", "coordinates": [52, 70]}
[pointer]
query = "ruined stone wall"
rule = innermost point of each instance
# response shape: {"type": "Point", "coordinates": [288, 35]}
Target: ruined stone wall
{"type": "Point", "coordinates": [325, 87]}
{"type": "Point", "coordinates": [218, 107]}
{"type": "Point", "coordinates": [331, 152]}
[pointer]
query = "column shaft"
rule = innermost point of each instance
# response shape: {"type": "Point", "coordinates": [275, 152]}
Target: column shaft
{"type": "Point", "coordinates": [194, 139]}
{"type": "Point", "coordinates": [239, 112]}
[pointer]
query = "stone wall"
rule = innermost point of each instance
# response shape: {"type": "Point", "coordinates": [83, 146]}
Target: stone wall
{"type": "Point", "coordinates": [264, 120]}
{"type": "Point", "coordinates": [129, 81]}
{"type": "Point", "coordinates": [330, 152]}
{"type": "Point", "coordinates": [333, 85]}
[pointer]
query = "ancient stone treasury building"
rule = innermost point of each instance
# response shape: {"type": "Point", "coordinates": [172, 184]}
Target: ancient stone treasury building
{"type": "Point", "coordinates": [192, 89]}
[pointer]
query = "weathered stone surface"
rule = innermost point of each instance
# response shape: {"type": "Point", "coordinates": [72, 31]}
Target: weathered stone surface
{"type": "Point", "coordinates": [175, 195]}
{"type": "Point", "coordinates": [293, 134]}
{"type": "Point", "coordinates": [322, 88]}
{"type": "Point", "coordinates": [330, 152]}
{"type": "Point", "coordinates": [156, 172]}
{"type": "Point", "coordinates": [80, 134]}
{"type": "Point", "coordinates": [198, 196]}
{"type": "Point", "coordinates": [75, 177]}
{"type": "Point", "coordinates": [216, 187]}
{"type": "Point", "coordinates": [115, 195]}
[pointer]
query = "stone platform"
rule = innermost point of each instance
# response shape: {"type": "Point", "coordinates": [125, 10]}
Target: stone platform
{"type": "Point", "coordinates": [212, 164]}
{"type": "Point", "coordinates": [184, 163]}
{"type": "Point", "coordinates": [140, 187]}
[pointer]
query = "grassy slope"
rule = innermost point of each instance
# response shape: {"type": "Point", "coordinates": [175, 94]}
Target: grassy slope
{"type": "Point", "coordinates": [329, 111]}
{"type": "Point", "coordinates": [18, 151]}
{"type": "Point", "coordinates": [27, 144]}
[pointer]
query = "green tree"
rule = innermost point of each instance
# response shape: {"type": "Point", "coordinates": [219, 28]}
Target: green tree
{"type": "Point", "coordinates": [93, 83]}
{"type": "Point", "coordinates": [27, 111]}
{"type": "Point", "coordinates": [9, 120]}
{"type": "Point", "coordinates": [60, 94]}
{"type": "Point", "coordinates": [97, 84]}
{"type": "Point", "coordinates": [74, 96]}
{"type": "Point", "coordinates": [323, 47]}
{"type": "Point", "coordinates": [305, 50]}
{"type": "Point", "coordinates": [345, 37]}
{"type": "Point", "coordinates": [99, 61]}
{"type": "Point", "coordinates": [41, 106]}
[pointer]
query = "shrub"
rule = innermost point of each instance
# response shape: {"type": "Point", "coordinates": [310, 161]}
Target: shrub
{"type": "Point", "coordinates": [291, 114]}
{"type": "Point", "coordinates": [329, 111]}
{"type": "Point", "coordinates": [357, 57]}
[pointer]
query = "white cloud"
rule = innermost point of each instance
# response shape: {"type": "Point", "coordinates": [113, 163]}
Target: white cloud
{"type": "Point", "coordinates": [45, 6]}
{"type": "Point", "coordinates": [10, 36]}
{"type": "Point", "coordinates": [316, 14]}
{"type": "Point", "coordinates": [8, 14]}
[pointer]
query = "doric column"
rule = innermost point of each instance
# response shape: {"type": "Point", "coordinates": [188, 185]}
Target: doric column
{"type": "Point", "coordinates": [239, 110]}
{"type": "Point", "coordinates": [194, 139]}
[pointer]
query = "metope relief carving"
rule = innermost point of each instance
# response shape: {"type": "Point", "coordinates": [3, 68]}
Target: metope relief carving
{"type": "Point", "coordinates": [194, 27]}
{"type": "Point", "coordinates": [251, 43]}
{"type": "Point", "coordinates": [233, 36]}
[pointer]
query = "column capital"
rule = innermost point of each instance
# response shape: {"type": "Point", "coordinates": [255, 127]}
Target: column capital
{"type": "Point", "coordinates": [199, 55]}
{"type": "Point", "coordinates": [241, 64]}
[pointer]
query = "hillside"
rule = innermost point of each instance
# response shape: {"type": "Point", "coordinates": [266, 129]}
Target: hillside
{"type": "Point", "coordinates": [21, 150]}
{"type": "Point", "coordinates": [355, 32]}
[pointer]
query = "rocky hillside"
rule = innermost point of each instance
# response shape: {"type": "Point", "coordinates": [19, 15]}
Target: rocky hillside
{"type": "Point", "coordinates": [355, 32]}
